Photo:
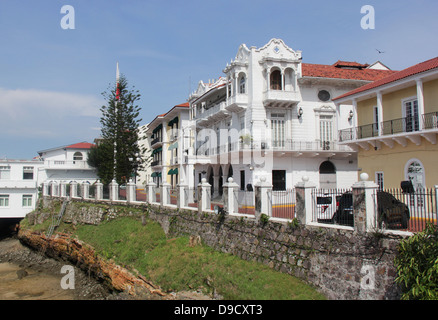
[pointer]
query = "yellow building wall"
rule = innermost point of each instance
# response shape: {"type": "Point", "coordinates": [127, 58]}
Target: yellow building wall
{"type": "Point", "coordinates": [392, 103]}
{"type": "Point", "coordinates": [430, 92]}
{"type": "Point", "coordinates": [365, 111]}
{"type": "Point", "coordinates": [392, 162]}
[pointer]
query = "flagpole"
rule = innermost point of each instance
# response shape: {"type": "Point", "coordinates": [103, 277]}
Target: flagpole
{"type": "Point", "coordinates": [116, 114]}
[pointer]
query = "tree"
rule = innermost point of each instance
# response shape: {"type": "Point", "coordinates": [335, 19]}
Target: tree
{"type": "Point", "coordinates": [118, 155]}
{"type": "Point", "coordinates": [417, 265]}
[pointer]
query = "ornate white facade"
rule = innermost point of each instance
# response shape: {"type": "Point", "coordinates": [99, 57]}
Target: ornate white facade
{"type": "Point", "coordinates": [271, 116]}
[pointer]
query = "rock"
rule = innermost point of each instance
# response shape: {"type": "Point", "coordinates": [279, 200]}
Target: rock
{"type": "Point", "coordinates": [21, 274]}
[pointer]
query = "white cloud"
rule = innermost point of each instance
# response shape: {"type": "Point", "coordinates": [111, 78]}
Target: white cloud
{"type": "Point", "coordinates": [33, 113]}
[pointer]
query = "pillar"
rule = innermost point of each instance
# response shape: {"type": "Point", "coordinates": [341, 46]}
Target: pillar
{"type": "Point", "coordinates": [182, 199]}
{"type": "Point", "coordinates": [365, 211]}
{"type": "Point", "coordinates": [99, 191]}
{"type": "Point", "coordinates": [229, 195]}
{"type": "Point", "coordinates": [130, 191]}
{"type": "Point", "coordinates": [165, 194]}
{"type": "Point", "coordinates": [303, 203]}
{"type": "Point", "coordinates": [262, 201]}
{"type": "Point", "coordinates": [204, 195]}
{"type": "Point", "coordinates": [113, 190]}
{"type": "Point", "coordinates": [85, 190]}
{"type": "Point", "coordinates": [151, 197]}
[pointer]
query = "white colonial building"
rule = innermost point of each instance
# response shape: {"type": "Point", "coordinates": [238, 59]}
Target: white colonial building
{"type": "Point", "coordinates": [271, 115]}
{"type": "Point", "coordinates": [22, 180]}
{"type": "Point", "coordinates": [18, 187]}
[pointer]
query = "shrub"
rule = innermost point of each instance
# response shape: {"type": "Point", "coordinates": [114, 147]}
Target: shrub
{"type": "Point", "coordinates": [417, 265]}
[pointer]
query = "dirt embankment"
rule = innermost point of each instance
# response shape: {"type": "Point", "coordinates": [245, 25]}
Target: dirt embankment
{"type": "Point", "coordinates": [119, 282]}
{"type": "Point", "coordinates": [26, 274]}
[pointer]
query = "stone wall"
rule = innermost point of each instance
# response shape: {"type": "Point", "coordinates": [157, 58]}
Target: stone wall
{"type": "Point", "coordinates": [342, 263]}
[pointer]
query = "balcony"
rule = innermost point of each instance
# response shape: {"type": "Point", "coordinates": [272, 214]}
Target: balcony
{"type": "Point", "coordinates": [295, 148]}
{"type": "Point", "coordinates": [237, 102]}
{"type": "Point", "coordinates": [156, 163]}
{"type": "Point", "coordinates": [393, 131]}
{"type": "Point", "coordinates": [216, 113]}
{"type": "Point", "coordinates": [280, 98]}
{"type": "Point", "coordinates": [67, 165]}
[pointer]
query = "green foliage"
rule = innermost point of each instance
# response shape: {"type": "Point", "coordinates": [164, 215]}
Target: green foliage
{"type": "Point", "coordinates": [417, 265]}
{"type": "Point", "coordinates": [264, 218]}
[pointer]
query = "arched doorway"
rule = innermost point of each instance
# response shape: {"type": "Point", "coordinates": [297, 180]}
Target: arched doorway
{"type": "Point", "coordinates": [327, 175]}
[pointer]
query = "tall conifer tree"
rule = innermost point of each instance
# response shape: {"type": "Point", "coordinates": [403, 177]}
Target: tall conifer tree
{"type": "Point", "coordinates": [118, 155]}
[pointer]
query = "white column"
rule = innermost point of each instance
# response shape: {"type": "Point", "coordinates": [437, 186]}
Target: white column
{"type": "Point", "coordinates": [420, 99]}
{"type": "Point", "coordinates": [151, 192]}
{"type": "Point", "coordinates": [114, 190]}
{"type": "Point", "coordinates": [130, 191]}
{"type": "Point", "coordinates": [85, 190]}
{"type": "Point", "coordinates": [380, 112]}
{"type": "Point", "coordinates": [99, 190]}
{"type": "Point", "coordinates": [230, 200]}
{"type": "Point", "coordinates": [303, 207]}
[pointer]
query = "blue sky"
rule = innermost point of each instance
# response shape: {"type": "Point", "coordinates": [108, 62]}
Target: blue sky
{"type": "Point", "coordinates": [52, 79]}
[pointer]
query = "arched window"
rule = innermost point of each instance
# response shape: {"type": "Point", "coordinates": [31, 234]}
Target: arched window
{"type": "Point", "coordinates": [78, 156]}
{"type": "Point", "coordinates": [275, 80]}
{"type": "Point", "coordinates": [414, 171]}
{"type": "Point", "coordinates": [327, 167]}
{"type": "Point", "coordinates": [242, 83]}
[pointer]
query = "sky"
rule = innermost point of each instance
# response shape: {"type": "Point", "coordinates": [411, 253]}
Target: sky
{"type": "Point", "coordinates": [53, 77]}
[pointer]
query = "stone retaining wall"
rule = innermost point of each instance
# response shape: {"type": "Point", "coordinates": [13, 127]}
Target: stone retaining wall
{"type": "Point", "coordinates": [342, 263]}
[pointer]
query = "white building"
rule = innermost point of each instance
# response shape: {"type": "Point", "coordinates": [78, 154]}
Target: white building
{"type": "Point", "coordinates": [18, 187]}
{"type": "Point", "coordinates": [272, 116]}
{"type": "Point", "coordinates": [21, 180]}
{"type": "Point", "coordinates": [67, 163]}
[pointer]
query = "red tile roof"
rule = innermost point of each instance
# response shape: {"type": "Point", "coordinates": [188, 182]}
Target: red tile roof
{"type": "Point", "coordinates": [335, 71]}
{"type": "Point", "coordinates": [416, 69]}
{"type": "Point", "coordinates": [80, 145]}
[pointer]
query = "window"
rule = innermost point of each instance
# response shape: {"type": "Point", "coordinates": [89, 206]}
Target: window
{"type": "Point", "coordinates": [379, 180]}
{"type": "Point", "coordinates": [78, 156]}
{"type": "Point", "coordinates": [324, 95]}
{"type": "Point", "coordinates": [27, 200]}
{"type": "Point", "coordinates": [275, 80]}
{"type": "Point", "coordinates": [277, 130]}
{"type": "Point", "coordinates": [376, 121]}
{"type": "Point", "coordinates": [278, 180]}
{"type": "Point", "coordinates": [242, 180]}
{"type": "Point", "coordinates": [411, 114]}
{"type": "Point", "coordinates": [5, 172]}
{"type": "Point", "coordinates": [242, 84]}
{"type": "Point", "coordinates": [27, 173]}
{"type": "Point", "coordinates": [326, 130]}
{"type": "Point", "coordinates": [4, 200]}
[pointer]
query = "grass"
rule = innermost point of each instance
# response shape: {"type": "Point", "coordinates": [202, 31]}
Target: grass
{"type": "Point", "coordinates": [175, 266]}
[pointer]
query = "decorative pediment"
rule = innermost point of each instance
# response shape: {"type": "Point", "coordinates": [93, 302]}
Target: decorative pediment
{"type": "Point", "coordinates": [276, 48]}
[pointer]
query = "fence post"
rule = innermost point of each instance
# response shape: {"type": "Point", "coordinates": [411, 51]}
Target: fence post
{"type": "Point", "coordinates": [230, 200]}
{"type": "Point", "coordinates": [62, 186]}
{"type": "Point", "coordinates": [151, 191]}
{"type": "Point", "coordinates": [304, 200]}
{"type": "Point", "coordinates": [45, 188]}
{"type": "Point", "coordinates": [54, 189]}
{"type": "Point", "coordinates": [165, 194]}
{"type": "Point", "coordinates": [98, 194]}
{"type": "Point", "coordinates": [181, 197]}
{"type": "Point", "coordinates": [262, 203]}
{"type": "Point", "coordinates": [74, 189]}
{"type": "Point", "coordinates": [204, 197]}
{"type": "Point", "coordinates": [130, 191]}
{"type": "Point", "coordinates": [365, 211]}
{"type": "Point", "coordinates": [113, 190]}
{"type": "Point", "coordinates": [85, 190]}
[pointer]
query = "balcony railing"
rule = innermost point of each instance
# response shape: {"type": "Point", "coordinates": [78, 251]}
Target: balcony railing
{"type": "Point", "coordinates": [390, 127]}
{"type": "Point", "coordinates": [281, 145]}
{"type": "Point", "coordinates": [66, 164]}
{"type": "Point", "coordinates": [430, 120]}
